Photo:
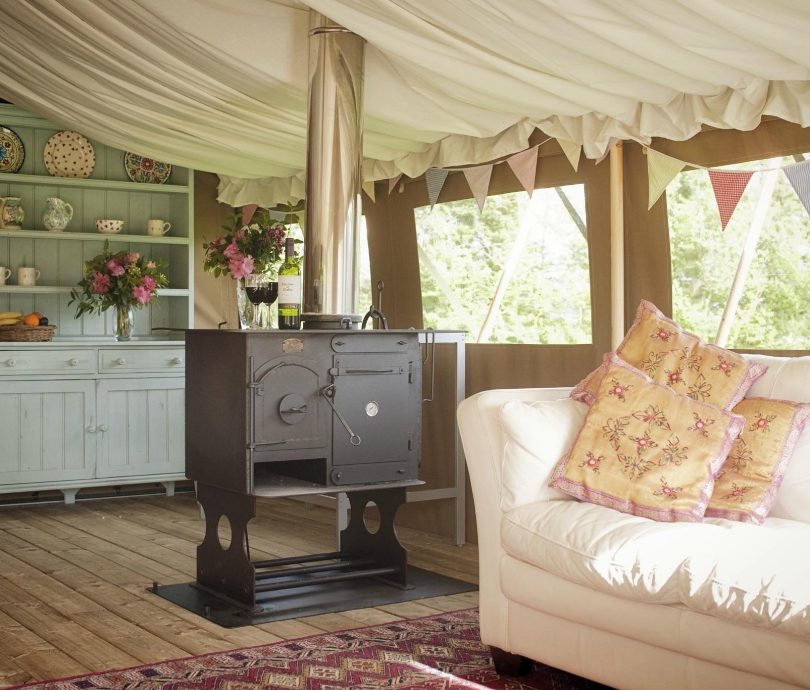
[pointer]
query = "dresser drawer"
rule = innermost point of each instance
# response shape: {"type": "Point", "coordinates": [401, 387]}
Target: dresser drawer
{"type": "Point", "coordinates": [157, 360]}
{"type": "Point", "coordinates": [29, 362]}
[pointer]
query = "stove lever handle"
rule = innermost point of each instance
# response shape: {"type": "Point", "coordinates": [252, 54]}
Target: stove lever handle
{"type": "Point", "coordinates": [328, 392]}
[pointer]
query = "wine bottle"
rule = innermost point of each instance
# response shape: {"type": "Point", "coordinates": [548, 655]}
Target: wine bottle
{"type": "Point", "coordinates": [289, 289]}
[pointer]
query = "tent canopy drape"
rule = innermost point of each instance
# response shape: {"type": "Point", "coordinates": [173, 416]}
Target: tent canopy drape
{"type": "Point", "coordinates": [220, 85]}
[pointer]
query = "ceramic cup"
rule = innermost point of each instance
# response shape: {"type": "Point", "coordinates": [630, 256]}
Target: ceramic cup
{"type": "Point", "coordinates": [158, 227]}
{"type": "Point", "coordinates": [27, 275]}
{"type": "Point", "coordinates": [5, 274]}
{"type": "Point", "coordinates": [109, 226]}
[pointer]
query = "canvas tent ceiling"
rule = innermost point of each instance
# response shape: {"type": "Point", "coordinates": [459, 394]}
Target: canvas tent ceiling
{"type": "Point", "coordinates": [220, 85]}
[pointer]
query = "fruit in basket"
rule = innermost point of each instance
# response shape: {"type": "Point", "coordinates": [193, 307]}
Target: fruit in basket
{"type": "Point", "coordinates": [31, 320]}
{"type": "Point", "coordinates": [10, 318]}
{"type": "Point", "coordinates": [43, 321]}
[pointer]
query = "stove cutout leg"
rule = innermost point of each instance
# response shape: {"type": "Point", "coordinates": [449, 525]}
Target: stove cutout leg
{"type": "Point", "coordinates": [382, 547]}
{"type": "Point", "coordinates": [226, 570]}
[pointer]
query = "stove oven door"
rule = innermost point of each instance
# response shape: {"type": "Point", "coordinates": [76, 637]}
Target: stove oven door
{"type": "Point", "coordinates": [377, 438]}
{"type": "Point", "coordinates": [290, 420]}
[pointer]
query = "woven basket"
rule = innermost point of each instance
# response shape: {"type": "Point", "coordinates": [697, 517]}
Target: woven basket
{"type": "Point", "coordinates": [27, 334]}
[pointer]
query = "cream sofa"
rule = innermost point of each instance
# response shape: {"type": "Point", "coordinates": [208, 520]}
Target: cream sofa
{"type": "Point", "coordinates": [634, 603]}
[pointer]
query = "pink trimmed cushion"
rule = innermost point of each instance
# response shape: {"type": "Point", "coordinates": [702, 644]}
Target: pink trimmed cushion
{"type": "Point", "coordinates": [645, 449]}
{"type": "Point", "coordinates": [668, 354]}
{"type": "Point", "coordinates": [747, 485]}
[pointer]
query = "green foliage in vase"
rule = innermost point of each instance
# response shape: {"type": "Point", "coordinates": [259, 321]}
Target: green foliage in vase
{"type": "Point", "coordinates": [117, 279]}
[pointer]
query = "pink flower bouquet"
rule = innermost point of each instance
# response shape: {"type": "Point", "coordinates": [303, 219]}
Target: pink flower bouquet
{"type": "Point", "coordinates": [246, 249]}
{"type": "Point", "coordinates": [124, 279]}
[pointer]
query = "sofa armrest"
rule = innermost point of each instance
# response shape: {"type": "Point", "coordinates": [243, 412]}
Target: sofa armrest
{"type": "Point", "coordinates": [483, 441]}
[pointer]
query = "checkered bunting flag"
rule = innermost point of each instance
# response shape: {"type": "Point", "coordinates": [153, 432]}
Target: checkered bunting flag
{"type": "Point", "coordinates": [729, 186]}
{"type": "Point", "coordinates": [799, 177]}
{"type": "Point", "coordinates": [434, 179]}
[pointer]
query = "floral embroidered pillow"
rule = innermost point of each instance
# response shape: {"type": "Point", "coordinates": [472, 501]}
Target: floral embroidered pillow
{"type": "Point", "coordinates": [746, 487]}
{"type": "Point", "coordinates": [645, 449]}
{"type": "Point", "coordinates": [668, 354]}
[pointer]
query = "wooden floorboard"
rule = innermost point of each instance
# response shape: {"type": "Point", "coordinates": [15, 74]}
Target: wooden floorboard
{"type": "Point", "coordinates": [74, 582]}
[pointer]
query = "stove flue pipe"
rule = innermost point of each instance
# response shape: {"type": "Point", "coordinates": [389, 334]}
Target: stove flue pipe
{"type": "Point", "coordinates": [334, 158]}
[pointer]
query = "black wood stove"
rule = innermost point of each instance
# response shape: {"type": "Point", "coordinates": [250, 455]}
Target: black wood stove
{"type": "Point", "coordinates": [275, 413]}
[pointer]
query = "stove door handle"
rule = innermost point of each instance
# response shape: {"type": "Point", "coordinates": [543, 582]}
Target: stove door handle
{"type": "Point", "coordinates": [328, 392]}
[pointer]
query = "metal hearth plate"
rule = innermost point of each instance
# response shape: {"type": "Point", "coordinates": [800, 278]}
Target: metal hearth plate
{"type": "Point", "coordinates": [311, 600]}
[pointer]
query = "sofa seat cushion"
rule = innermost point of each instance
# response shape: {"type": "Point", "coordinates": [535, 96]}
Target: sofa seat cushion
{"type": "Point", "coordinates": [758, 575]}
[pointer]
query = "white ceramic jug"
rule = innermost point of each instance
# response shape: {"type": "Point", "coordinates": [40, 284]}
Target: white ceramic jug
{"type": "Point", "coordinates": [58, 214]}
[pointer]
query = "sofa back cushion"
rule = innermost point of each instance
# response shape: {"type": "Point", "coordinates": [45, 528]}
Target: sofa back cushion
{"type": "Point", "coordinates": [537, 434]}
{"type": "Point", "coordinates": [645, 449]}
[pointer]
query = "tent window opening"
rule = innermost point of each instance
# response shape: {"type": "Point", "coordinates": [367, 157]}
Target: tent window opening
{"type": "Point", "coordinates": [516, 273]}
{"type": "Point", "coordinates": [765, 250]}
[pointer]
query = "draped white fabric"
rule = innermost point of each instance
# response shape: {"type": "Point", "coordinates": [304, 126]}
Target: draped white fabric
{"type": "Point", "coordinates": [220, 85]}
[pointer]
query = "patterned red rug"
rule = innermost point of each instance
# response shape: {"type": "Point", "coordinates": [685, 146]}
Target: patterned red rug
{"type": "Point", "coordinates": [438, 652]}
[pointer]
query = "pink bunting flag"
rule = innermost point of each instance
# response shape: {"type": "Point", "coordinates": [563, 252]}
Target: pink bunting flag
{"type": "Point", "coordinates": [393, 183]}
{"type": "Point", "coordinates": [729, 186]}
{"type": "Point", "coordinates": [478, 179]}
{"type": "Point", "coordinates": [248, 212]}
{"type": "Point", "coordinates": [524, 165]}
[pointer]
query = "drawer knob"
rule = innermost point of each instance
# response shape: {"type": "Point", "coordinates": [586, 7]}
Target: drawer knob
{"type": "Point", "coordinates": [121, 361]}
{"type": "Point", "coordinates": [11, 362]}
{"type": "Point", "coordinates": [91, 429]}
{"type": "Point", "coordinates": [103, 427]}
{"type": "Point", "coordinates": [175, 361]}
{"type": "Point", "coordinates": [73, 362]}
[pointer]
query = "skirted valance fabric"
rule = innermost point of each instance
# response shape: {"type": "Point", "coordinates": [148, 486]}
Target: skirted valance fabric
{"type": "Point", "coordinates": [220, 85]}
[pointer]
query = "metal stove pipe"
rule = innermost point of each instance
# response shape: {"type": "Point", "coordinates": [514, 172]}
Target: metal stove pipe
{"type": "Point", "coordinates": [334, 157]}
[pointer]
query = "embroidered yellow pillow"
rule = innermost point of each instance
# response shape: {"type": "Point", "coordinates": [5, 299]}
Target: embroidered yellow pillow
{"type": "Point", "coordinates": [749, 480]}
{"type": "Point", "coordinates": [645, 449]}
{"type": "Point", "coordinates": [668, 354]}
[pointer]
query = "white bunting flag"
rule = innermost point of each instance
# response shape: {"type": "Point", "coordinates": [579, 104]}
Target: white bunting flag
{"type": "Point", "coordinates": [434, 179]}
{"type": "Point", "coordinates": [729, 186]}
{"type": "Point", "coordinates": [660, 171]}
{"type": "Point", "coordinates": [478, 179]}
{"type": "Point", "coordinates": [368, 188]}
{"type": "Point", "coordinates": [524, 165]}
{"type": "Point", "coordinates": [799, 177]}
{"type": "Point", "coordinates": [248, 211]}
{"type": "Point", "coordinates": [393, 183]}
{"type": "Point", "coordinates": [572, 151]}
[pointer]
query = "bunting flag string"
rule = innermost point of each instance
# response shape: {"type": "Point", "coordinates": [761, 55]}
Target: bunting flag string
{"type": "Point", "coordinates": [661, 169]}
{"type": "Point", "coordinates": [248, 211]}
{"type": "Point", "coordinates": [728, 186]}
{"type": "Point", "coordinates": [368, 188]}
{"type": "Point", "coordinates": [572, 152]}
{"type": "Point", "coordinates": [434, 179]}
{"type": "Point", "coordinates": [798, 175]}
{"type": "Point", "coordinates": [478, 179]}
{"type": "Point", "coordinates": [524, 165]}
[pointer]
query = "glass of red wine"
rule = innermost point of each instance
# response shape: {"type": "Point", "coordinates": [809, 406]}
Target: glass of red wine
{"type": "Point", "coordinates": [262, 292]}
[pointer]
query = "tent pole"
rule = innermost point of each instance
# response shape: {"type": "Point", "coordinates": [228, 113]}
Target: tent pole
{"type": "Point", "coordinates": [616, 245]}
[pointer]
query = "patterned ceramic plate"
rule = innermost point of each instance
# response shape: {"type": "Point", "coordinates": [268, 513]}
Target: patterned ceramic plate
{"type": "Point", "coordinates": [140, 169]}
{"type": "Point", "coordinates": [69, 154]}
{"type": "Point", "coordinates": [12, 151]}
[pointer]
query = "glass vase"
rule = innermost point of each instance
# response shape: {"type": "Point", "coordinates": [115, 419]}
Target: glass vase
{"type": "Point", "coordinates": [123, 323]}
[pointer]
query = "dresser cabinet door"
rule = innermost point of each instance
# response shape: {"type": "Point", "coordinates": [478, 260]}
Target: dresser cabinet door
{"type": "Point", "coordinates": [141, 427]}
{"type": "Point", "coordinates": [47, 431]}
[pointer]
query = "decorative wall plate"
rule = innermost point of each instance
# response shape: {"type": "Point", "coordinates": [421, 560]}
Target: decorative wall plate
{"type": "Point", "coordinates": [12, 151]}
{"type": "Point", "coordinates": [141, 169]}
{"type": "Point", "coordinates": [69, 154]}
